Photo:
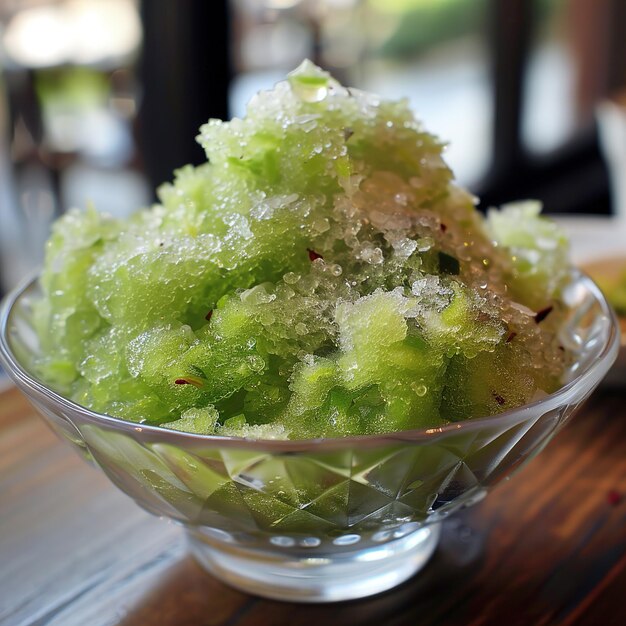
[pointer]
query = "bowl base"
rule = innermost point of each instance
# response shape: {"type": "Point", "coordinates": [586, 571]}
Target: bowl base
{"type": "Point", "coordinates": [323, 577]}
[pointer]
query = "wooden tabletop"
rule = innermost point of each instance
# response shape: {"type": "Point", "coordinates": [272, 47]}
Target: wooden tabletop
{"type": "Point", "coordinates": [547, 547]}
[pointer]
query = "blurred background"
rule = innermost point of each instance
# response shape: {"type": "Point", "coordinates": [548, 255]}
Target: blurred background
{"type": "Point", "coordinates": [101, 99]}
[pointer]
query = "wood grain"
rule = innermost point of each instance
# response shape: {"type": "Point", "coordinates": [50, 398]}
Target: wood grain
{"type": "Point", "coordinates": [547, 547]}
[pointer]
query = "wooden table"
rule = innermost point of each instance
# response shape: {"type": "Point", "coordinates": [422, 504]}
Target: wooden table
{"type": "Point", "coordinates": [547, 547]}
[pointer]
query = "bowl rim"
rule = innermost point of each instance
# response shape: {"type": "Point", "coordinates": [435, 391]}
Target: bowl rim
{"type": "Point", "coordinates": [25, 380]}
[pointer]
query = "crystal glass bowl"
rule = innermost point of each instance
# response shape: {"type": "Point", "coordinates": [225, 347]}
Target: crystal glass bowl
{"type": "Point", "coordinates": [320, 519]}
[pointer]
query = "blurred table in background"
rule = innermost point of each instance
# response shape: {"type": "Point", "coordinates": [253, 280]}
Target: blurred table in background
{"type": "Point", "coordinates": [547, 547]}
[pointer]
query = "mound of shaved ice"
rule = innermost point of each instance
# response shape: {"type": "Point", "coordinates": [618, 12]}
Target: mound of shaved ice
{"type": "Point", "coordinates": [319, 275]}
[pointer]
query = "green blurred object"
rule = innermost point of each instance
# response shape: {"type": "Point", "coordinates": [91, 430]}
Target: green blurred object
{"type": "Point", "coordinates": [415, 26]}
{"type": "Point", "coordinates": [615, 291]}
{"type": "Point", "coordinates": [75, 88]}
{"type": "Point", "coordinates": [418, 25]}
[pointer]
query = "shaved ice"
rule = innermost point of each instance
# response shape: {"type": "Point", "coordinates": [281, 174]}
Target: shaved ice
{"type": "Point", "coordinates": [321, 275]}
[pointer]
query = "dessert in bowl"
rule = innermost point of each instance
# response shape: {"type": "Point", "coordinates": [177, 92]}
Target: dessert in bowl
{"type": "Point", "coordinates": [314, 348]}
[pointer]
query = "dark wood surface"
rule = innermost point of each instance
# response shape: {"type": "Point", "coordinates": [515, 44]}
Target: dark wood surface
{"type": "Point", "coordinates": [546, 547]}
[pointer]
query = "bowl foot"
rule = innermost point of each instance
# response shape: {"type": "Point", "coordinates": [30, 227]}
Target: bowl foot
{"type": "Point", "coordinates": [319, 576]}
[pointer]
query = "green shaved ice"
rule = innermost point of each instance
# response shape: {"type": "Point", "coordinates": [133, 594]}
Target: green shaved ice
{"type": "Point", "coordinates": [486, 384]}
{"type": "Point", "coordinates": [538, 249]}
{"type": "Point", "coordinates": [320, 275]}
{"type": "Point", "coordinates": [200, 421]}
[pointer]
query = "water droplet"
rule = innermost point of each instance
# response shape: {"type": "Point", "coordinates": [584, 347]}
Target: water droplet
{"type": "Point", "coordinates": [256, 363]}
{"type": "Point", "coordinates": [420, 389]}
{"type": "Point", "coordinates": [321, 225]}
{"type": "Point", "coordinates": [373, 256]}
{"type": "Point", "coordinates": [310, 92]}
{"type": "Point", "coordinates": [401, 198]}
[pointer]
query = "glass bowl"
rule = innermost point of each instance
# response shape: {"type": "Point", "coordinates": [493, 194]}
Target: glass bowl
{"type": "Point", "coordinates": [320, 519]}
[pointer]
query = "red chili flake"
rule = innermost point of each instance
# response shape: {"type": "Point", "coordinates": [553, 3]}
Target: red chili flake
{"type": "Point", "coordinates": [511, 336]}
{"type": "Point", "coordinates": [313, 255]}
{"type": "Point", "coordinates": [443, 227]}
{"type": "Point", "coordinates": [498, 398]}
{"type": "Point", "coordinates": [190, 380]}
{"type": "Point", "coordinates": [541, 315]}
{"type": "Point", "coordinates": [209, 315]}
{"type": "Point", "coordinates": [614, 497]}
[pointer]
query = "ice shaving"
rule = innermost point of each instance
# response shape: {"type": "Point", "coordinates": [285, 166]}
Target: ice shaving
{"type": "Point", "coordinates": [320, 275]}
